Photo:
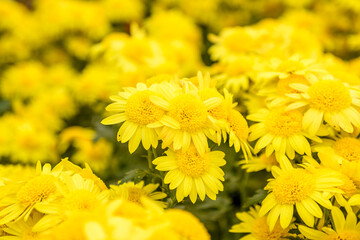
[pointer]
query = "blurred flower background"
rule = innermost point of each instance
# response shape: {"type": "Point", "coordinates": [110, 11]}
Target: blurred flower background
{"type": "Point", "coordinates": [224, 105]}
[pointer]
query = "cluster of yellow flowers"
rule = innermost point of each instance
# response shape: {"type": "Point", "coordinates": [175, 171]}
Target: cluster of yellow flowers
{"type": "Point", "coordinates": [69, 202]}
{"type": "Point", "coordinates": [183, 114]}
{"type": "Point", "coordinates": [305, 113]}
{"type": "Point", "coordinates": [226, 98]}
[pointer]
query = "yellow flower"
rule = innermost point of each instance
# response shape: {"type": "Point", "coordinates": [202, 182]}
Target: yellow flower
{"type": "Point", "coordinates": [134, 108]}
{"type": "Point", "coordinates": [343, 148]}
{"type": "Point", "coordinates": [280, 131]}
{"type": "Point", "coordinates": [187, 117]}
{"type": "Point", "coordinates": [329, 100]}
{"type": "Point", "coordinates": [77, 195]}
{"type": "Point", "coordinates": [257, 227]}
{"type": "Point", "coordinates": [193, 174]}
{"type": "Point", "coordinates": [40, 189]}
{"type": "Point", "coordinates": [300, 188]}
{"type": "Point", "coordinates": [344, 228]}
{"type": "Point", "coordinates": [134, 192]}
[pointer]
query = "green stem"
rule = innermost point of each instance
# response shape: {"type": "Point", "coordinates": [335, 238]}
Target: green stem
{"type": "Point", "coordinates": [149, 158]}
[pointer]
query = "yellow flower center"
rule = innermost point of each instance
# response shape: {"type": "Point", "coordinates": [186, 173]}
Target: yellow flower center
{"type": "Point", "coordinates": [330, 96]}
{"type": "Point", "coordinates": [238, 124]}
{"type": "Point", "coordinates": [348, 148]}
{"type": "Point", "coordinates": [219, 112]}
{"type": "Point", "coordinates": [135, 194]}
{"type": "Point", "coordinates": [189, 111]}
{"type": "Point", "coordinates": [348, 185]}
{"type": "Point", "coordinates": [36, 190]}
{"type": "Point", "coordinates": [269, 161]}
{"type": "Point", "coordinates": [344, 235]}
{"type": "Point", "coordinates": [283, 85]}
{"type": "Point", "coordinates": [284, 123]}
{"type": "Point", "coordinates": [140, 110]}
{"type": "Point", "coordinates": [81, 199]}
{"type": "Point", "coordinates": [191, 163]}
{"type": "Point", "coordinates": [293, 186]}
{"type": "Point", "coordinates": [231, 42]}
{"type": "Point", "coordinates": [137, 50]}
{"type": "Point", "coordinates": [260, 230]}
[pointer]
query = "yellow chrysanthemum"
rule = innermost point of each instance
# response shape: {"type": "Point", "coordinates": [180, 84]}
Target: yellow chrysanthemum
{"type": "Point", "coordinates": [331, 101]}
{"type": "Point", "coordinates": [346, 228]}
{"type": "Point", "coordinates": [187, 117]}
{"type": "Point", "coordinates": [257, 227]}
{"type": "Point", "coordinates": [343, 148]}
{"type": "Point", "coordinates": [41, 189]}
{"type": "Point", "coordinates": [279, 130]}
{"type": "Point", "coordinates": [134, 192]}
{"type": "Point", "coordinates": [193, 174]}
{"type": "Point", "coordinates": [300, 188]}
{"type": "Point", "coordinates": [134, 108]}
{"type": "Point", "coordinates": [78, 195]}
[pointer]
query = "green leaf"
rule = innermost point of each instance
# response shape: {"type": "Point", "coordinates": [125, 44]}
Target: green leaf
{"type": "Point", "coordinates": [259, 195]}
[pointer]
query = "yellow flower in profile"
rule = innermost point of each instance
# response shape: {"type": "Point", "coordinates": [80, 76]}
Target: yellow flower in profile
{"type": "Point", "coordinates": [331, 101]}
{"type": "Point", "coordinates": [238, 131]}
{"type": "Point", "coordinates": [41, 189]}
{"type": "Point", "coordinates": [134, 108]}
{"type": "Point", "coordinates": [343, 227]}
{"type": "Point", "coordinates": [280, 131]}
{"type": "Point", "coordinates": [188, 119]}
{"type": "Point", "coordinates": [300, 188]}
{"type": "Point", "coordinates": [133, 192]}
{"type": "Point", "coordinates": [257, 227]}
{"type": "Point", "coordinates": [259, 163]}
{"type": "Point", "coordinates": [193, 174]}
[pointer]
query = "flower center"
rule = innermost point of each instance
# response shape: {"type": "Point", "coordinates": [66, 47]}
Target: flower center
{"type": "Point", "coordinates": [219, 112]}
{"type": "Point", "coordinates": [269, 161]}
{"type": "Point", "coordinates": [36, 190]}
{"type": "Point", "coordinates": [293, 186]}
{"type": "Point", "coordinates": [140, 110]}
{"type": "Point", "coordinates": [81, 199]}
{"type": "Point", "coordinates": [284, 123]}
{"type": "Point", "coordinates": [344, 235]}
{"type": "Point", "coordinates": [283, 85]}
{"type": "Point", "coordinates": [261, 230]}
{"type": "Point", "coordinates": [328, 95]}
{"type": "Point", "coordinates": [348, 185]}
{"type": "Point", "coordinates": [191, 163]}
{"type": "Point", "coordinates": [348, 148]}
{"type": "Point", "coordinates": [238, 124]}
{"type": "Point", "coordinates": [189, 111]}
{"type": "Point", "coordinates": [135, 194]}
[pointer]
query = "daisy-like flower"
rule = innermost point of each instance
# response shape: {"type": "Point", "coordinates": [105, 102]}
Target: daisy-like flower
{"type": "Point", "coordinates": [262, 162]}
{"type": "Point", "coordinates": [78, 195]}
{"type": "Point", "coordinates": [300, 188]}
{"type": "Point", "coordinates": [343, 148]}
{"type": "Point", "coordinates": [257, 227]}
{"type": "Point", "coordinates": [331, 101]}
{"type": "Point", "coordinates": [41, 189]}
{"type": "Point", "coordinates": [22, 229]}
{"type": "Point", "coordinates": [133, 192]}
{"type": "Point", "coordinates": [280, 131]}
{"type": "Point", "coordinates": [347, 172]}
{"type": "Point", "coordinates": [191, 173]}
{"type": "Point", "coordinates": [344, 228]}
{"type": "Point", "coordinates": [134, 108]}
{"type": "Point", "coordinates": [187, 116]}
